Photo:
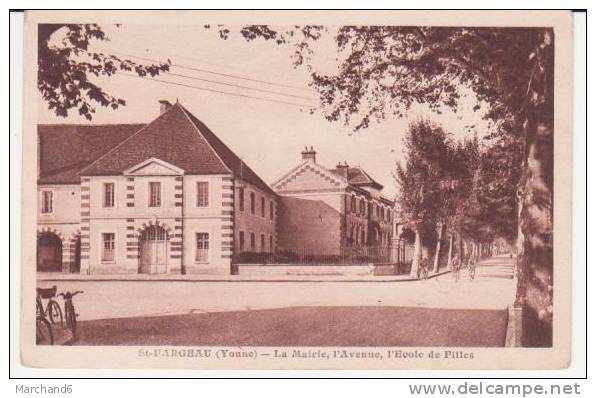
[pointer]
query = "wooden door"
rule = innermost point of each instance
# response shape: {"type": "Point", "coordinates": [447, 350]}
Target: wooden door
{"type": "Point", "coordinates": [153, 251]}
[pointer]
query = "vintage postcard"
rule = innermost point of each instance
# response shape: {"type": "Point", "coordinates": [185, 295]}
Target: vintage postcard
{"type": "Point", "coordinates": [297, 190]}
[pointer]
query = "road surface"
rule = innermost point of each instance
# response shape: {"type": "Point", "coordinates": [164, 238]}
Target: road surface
{"type": "Point", "coordinates": [493, 288]}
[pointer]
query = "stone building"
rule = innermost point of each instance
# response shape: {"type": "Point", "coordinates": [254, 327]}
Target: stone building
{"type": "Point", "coordinates": [165, 197]}
{"type": "Point", "coordinates": [323, 211]}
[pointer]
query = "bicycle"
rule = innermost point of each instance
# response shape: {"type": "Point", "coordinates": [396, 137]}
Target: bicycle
{"type": "Point", "coordinates": [423, 270]}
{"type": "Point", "coordinates": [43, 327]}
{"type": "Point", "coordinates": [472, 270]}
{"type": "Point", "coordinates": [52, 310]}
{"type": "Point", "coordinates": [455, 267]}
{"type": "Point", "coordinates": [69, 312]}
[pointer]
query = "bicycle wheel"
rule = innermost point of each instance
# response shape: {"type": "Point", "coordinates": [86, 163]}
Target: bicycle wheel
{"type": "Point", "coordinates": [43, 332]}
{"type": "Point", "coordinates": [55, 313]}
{"type": "Point", "coordinates": [71, 320]}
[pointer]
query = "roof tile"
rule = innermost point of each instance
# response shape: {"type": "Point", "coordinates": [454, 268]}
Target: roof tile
{"type": "Point", "coordinates": [176, 136]}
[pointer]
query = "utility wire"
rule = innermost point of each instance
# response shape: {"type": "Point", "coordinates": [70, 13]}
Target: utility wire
{"type": "Point", "coordinates": [163, 54]}
{"type": "Point", "coordinates": [208, 71]}
{"type": "Point", "coordinates": [243, 87]}
{"type": "Point", "coordinates": [220, 92]}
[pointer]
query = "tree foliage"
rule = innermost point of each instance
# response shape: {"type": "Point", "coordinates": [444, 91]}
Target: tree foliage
{"type": "Point", "coordinates": [421, 180]}
{"type": "Point", "coordinates": [386, 69]}
{"type": "Point", "coordinates": [501, 166]}
{"type": "Point", "coordinates": [420, 194]}
{"type": "Point", "coordinates": [66, 68]}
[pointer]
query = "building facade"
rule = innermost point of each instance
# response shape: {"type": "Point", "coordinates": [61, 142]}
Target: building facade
{"type": "Point", "coordinates": [325, 211]}
{"type": "Point", "coordinates": [165, 197]}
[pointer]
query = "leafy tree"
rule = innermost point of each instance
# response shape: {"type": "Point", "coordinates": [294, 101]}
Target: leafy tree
{"type": "Point", "coordinates": [66, 67]}
{"type": "Point", "coordinates": [385, 69]}
{"type": "Point", "coordinates": [500, 171]}
{"type": "Point", "coordinates": [460, 202]}
{"type": "Point", "coordinates": [419, 180]}
{"type": "Point", "coordinates": [484, 204]}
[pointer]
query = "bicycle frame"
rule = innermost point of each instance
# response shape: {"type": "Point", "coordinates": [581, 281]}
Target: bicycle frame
{"type": "Point", "coordinates": [69, 311]}
{"type": "Point", "coordinates": [41, 319]}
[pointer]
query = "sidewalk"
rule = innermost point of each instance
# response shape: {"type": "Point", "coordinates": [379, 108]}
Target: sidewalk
{"type": "Point", "coordinates": [50, 277]}
{"type": "Point", "coordinates": [104, 298]}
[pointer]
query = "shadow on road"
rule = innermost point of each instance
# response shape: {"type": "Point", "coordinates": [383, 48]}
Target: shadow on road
{"type": "Point", "coordinates": [307, 326]}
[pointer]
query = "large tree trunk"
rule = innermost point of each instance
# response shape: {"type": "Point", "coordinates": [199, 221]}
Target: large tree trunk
{"type": "Point", "coordinates": [417, 253]}
{"type": "Point", "coordinates": [438, 249]}
{"type": "Point", "coordinates": [535, 260]}
{"type": "Point", "coordinates": [450, 253]}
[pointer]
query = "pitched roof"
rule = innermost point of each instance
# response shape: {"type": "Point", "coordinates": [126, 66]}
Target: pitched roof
{"type": "Point", "coordinates": [176, 136]}
{"type": "Point", "coordinates": [64, 149]}
{"type": "Point", "coordinates": [238, 167]}
{"type": "Point", "coordinates": [171, 137]}
{"type": "Point", "coordinates": [358, 177]}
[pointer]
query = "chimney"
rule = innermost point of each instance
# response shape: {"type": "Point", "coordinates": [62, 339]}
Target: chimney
{"type": "Point", "coordinates": [164, 105]}
{"type": "Point", "coordinates": [309, 154]}
{"type": "Point", "coordinates": [342, 169]}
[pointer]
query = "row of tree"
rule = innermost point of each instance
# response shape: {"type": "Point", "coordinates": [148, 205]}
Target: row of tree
{"type": "Point", "coordinates": [464, 190]}
{"type": "Point", "coordinates": [381, 71]}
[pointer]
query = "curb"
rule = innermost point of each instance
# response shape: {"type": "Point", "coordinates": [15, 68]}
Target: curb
{"type": "Point", "coordinates": [289, 279]}
{"type": "Point", "coordinates": [513, 335]}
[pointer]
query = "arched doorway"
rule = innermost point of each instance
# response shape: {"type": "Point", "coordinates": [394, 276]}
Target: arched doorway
{"type": "Point", "coordinates": [153, 250]}
{"type": "Point", "coordinates": [49, 252]}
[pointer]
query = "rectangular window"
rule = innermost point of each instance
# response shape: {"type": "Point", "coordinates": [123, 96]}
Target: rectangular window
{"type": "Point", "coordinates": [241, 199]}
{"type": "Point", "coordinates": [202, 194]}
{"type": "Point", "coordinates": [271, 249]}
{"type": "Point", "coordinates": [109, 246]}
{"type": "Point", "coordinates": [109, 194]}
{"type": "Point", "coordinates": [154, 194]}
{"type": "Point", "coordinates": [262, 207]}
{"type": "Point", "coordinates": [252, 241]}
{"type": "Point", "coordinates": [271, 210]}
{"type": "Point", "coordinates": [263, 249]}
{"type": "Point", "coordinates": [202, 252]}
{"type": "Point", "coordinates": [241, 241]}
{"type": "Point", "coordinates": [252, 203]}
{"type": "Point", "coordinates": [353, 204]}
{"type": "Point", "coordinates": [47, 202]}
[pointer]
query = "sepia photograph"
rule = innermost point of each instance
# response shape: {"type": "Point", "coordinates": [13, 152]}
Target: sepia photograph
{"type": "Point", "coordinates": [297, 190]}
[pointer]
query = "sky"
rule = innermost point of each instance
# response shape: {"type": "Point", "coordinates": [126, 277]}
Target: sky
{"type": "Point", "coordinates": [268, 136]}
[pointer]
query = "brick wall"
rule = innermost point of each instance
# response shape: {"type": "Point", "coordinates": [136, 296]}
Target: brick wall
{"type": "Point", "coordinates": [308, 224]}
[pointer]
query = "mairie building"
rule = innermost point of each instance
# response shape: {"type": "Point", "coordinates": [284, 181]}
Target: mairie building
{"type": "Point", "coordinates": [167, 197]}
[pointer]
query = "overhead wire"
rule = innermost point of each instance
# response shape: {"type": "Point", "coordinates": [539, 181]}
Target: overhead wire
{"type": "Point", "coordinates": [308, 106]}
